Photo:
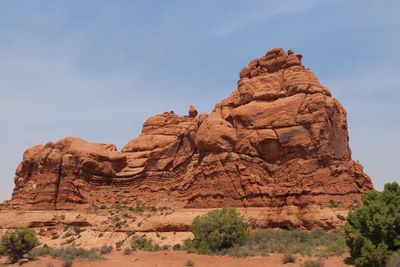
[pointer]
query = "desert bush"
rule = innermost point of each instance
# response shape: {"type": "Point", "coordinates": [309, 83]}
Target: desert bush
{"type": "Point", "coordinates": [288, 258]}
{"type": "Point", "coordinates": [105, 249]}
{"type": "Point", "coordinates": [40, 251]}
{"type": "Point", "coordinates": [313, 263]}
{"type": "Point", "coordinates": [130, 233]}
{"type": "Point", "coordinates": [188, 245]}
{"type": "Point", "coordinates": [240, 251]}
{"type": "Point", "coordinates": [69, 241]}
{"type": "Point", "coordinates": [72, 253]}
{"type": "Point", "coordinates": [177, 247]}
{"type": "Point", "coordinates": [54, 236]}
{"type": "Point", "coordinates": [373, 230]}
{"type": "Point", "coordinates": [218, 229]}
{"type": "Point", "coordinates": [69, 254]}
{"type": "Point", "coordinates": [189, 263]}
{"type": "Point", "coordinates": [78, 230]}
{"type": "Point", "coordinates": [138, 208]}
{"type": "Point", "coordinates": [311, 243]}
{"type": "Point", "coordinates": [119, 244]}
{"type": "Point", "coordinates": [68, 234]}
{"type": "Point", "coordinates": [142, 243]}
{"type": "Point", "coordinates": [18, 242]}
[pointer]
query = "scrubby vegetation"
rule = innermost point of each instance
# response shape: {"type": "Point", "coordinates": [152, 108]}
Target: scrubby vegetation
{"type": "Point", "coordinates": [217, 230]}
{"type": "Point", "coordinates": [18, 242]}
{"type": "Point", "coordinates": [69, 254]}
{"type": "Point", "coordinates": [373, 230]}
{"type": "Point", "coordinates": [142, 243]}
{"type": "Point", "coordinates": [310, 243]}
{"type": "Point", "coordinates": [224, 232]}
{"type": "Point", "coordinates": [313, 263]}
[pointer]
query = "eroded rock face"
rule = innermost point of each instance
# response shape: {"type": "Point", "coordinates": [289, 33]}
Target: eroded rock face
{"type": "Point", "coordinates": [279, 141]}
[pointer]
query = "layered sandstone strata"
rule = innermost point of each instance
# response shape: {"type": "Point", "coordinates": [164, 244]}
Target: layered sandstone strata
{"type": "Point", "coordinates": [279, 141]}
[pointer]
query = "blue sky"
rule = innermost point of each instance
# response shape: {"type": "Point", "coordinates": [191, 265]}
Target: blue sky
{"type": "Point", "coordinates": [98, 69]}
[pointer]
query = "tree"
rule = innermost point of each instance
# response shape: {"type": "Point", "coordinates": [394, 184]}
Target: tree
{"type": "Point", "coordinates": [18, 242]}
{"type": "Point", "coordinates": [373, 230]}
{"type": "Point", "coordinates": [218, 229]}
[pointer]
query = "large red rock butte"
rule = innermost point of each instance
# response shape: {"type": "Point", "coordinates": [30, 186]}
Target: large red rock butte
{"type": "Point", "coordinates": [279, 142]}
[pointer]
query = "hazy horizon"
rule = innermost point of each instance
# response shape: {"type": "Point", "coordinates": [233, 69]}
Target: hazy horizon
{"type": "Point", "coordinates": [97, 69]}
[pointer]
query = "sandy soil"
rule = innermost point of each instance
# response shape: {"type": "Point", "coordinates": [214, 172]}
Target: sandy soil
{"type": "Point", "coordinates": [175, 258]}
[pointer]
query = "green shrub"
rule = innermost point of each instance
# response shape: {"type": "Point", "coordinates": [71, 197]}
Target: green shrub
{"type": "Point", "coordinates": [142, 243]}
{"type": "Point", "coordinates": [69, 254]}
{"type": "Point", "coordinates": [288, 258]}
{"type": "Point", "coordinates": [313, 263]}
{"type": "Point", "coordinates": [138, 208]}
{"type": "Point", "coordinates": [373, 230]}
{"type": "Point", "coordinates": [72, 253]}
{"type": "Point", "coordinates": [188, 245]}
{"type": "Point", "coordinates": [18, 242]}
{"type": "Point", "coordinates": [78, 230]}
{"type": "Point", "coordinates": [40, 251]}
{"type": "Point", "coordinates": [68, 234]}
{"type": "Point", "coordinates": [54, 236]}
{"type": "Point", "coordinates": [218, 229]}
{"type": "Point", "coordinates": [316, 243]}
{"type": "Point", "coordinates": [119, 244]}
{"type": "Point", "coordinates": [240, 251]}
{"type": "Point", "coordinates": [69, 241]}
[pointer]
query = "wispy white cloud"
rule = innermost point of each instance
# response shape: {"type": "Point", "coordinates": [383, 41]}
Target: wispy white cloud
{"type": "Point", "coordinates": [259, 12]}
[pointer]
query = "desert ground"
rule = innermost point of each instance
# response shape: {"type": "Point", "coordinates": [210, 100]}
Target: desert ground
{"type": "Point", "coordinates": [180, 258]}
{"type": "Point", "coordinates": [96, 228]}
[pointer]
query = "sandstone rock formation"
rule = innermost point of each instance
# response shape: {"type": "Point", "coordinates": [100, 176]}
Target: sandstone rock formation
{"type": "Point", "coordinates": [279, 141]}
